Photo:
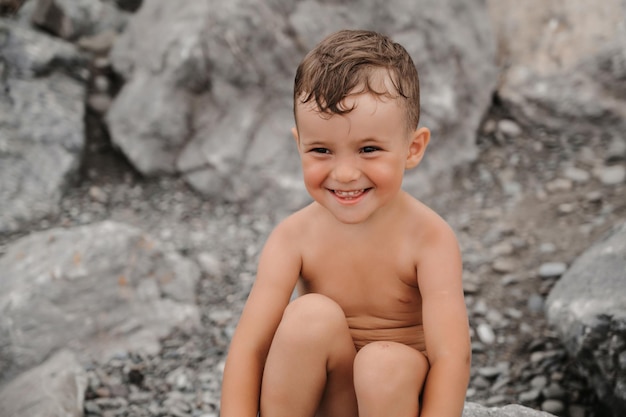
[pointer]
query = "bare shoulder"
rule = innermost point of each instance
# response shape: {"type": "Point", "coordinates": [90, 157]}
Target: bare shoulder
{"type": "Point", "coordinates": [428, 227]}
{"type": "Point", "coordinates": [294, 229]}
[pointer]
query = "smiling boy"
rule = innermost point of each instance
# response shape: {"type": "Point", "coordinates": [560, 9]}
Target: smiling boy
{"type": "Point", "coordinates": [380, 327]}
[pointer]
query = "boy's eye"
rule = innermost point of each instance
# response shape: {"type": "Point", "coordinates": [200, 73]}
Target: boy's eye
{"type": "Point", "coordinates": [320, 150]}
{"type": "Point", "coordinates": [370, 149]}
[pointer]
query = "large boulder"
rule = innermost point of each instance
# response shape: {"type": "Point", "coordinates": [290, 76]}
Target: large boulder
{"type": "Point", "coordinates": [55, 388]}
{"type": "Point", "coordinates": [564, 63]}
{"type": "Point", "coordinates": [587, 306]}
{"type": "Point", "coordinates": [98, 289]}
{"type": "Point", "coordinates": [42, 96]}
{"type": "Point", "coordinates": [209, 85]}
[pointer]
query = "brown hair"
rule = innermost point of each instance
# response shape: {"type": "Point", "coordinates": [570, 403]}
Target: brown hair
{"type": "Point", "coordinates": [348, 59]}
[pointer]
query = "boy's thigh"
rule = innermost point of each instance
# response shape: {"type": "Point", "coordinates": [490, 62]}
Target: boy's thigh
{"type": "Point", "coordinates": [315, 330]}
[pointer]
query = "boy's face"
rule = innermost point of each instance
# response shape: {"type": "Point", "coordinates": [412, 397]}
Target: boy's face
{"type": "Point", "coordinates": [353, 164]}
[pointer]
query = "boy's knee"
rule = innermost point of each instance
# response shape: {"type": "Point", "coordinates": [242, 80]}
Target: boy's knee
{"type": "Point", "coordinates": [313, 315]}
{"type": "Point", "coordinates": [387, 366]}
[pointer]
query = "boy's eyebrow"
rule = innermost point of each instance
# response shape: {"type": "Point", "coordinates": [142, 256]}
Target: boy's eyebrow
{"type": "Point", "coordinates": [321, 142]}
{"type": "Point", "coordinates": [313, 142]}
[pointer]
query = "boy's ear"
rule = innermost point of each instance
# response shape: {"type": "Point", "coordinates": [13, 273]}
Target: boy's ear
{"type": "Point", "coordinates": [419, 141]}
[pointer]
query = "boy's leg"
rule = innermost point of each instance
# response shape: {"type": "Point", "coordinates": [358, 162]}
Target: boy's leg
{"type": "Point", "coordinates": [388, 379]}
{"type": "Point", "coordinates": [309, 366]}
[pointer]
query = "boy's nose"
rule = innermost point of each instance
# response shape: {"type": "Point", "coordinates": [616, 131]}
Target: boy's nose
{"type": "Point", "coordinates": [345, 172]}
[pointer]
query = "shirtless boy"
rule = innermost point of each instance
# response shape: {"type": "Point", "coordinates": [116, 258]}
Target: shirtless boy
{"type": "Point", "coordinates": [380, 327]}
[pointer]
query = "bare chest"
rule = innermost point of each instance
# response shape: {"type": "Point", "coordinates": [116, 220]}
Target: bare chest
{"type": "Point", "coordinates": [367, 280]}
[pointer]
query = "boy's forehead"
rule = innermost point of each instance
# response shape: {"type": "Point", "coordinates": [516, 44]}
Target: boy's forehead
{"type": "Point", "coordinates": [378, 84]}
{"type": "Point", "coordinates": [363, 108]}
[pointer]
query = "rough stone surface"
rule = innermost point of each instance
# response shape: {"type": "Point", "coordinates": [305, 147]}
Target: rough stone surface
{"type": "Point", "coordinates": [565, 61]}
{"type": "Point", "coordinates": [71, 19]}
{"type": "Point", "coordinates": [588, 308]}
{"type": "Point", "coordinates": [228, 72]}
{"type": "Point", "coordinates": [40, 81]}
{"type": "Point", "coordinates": [476, 410]}
{"type": "Point", "coordinates": [99, 289]}
{"type": "Point", "coordinates": [56, 388]}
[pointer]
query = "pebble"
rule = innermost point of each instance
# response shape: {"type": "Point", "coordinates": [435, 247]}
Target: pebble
{"type": "Point", "coordinates": [486, 334]}
{"type": "Point", "coordinates": [547, 248]}
{"type": "Point", "coordinates": [502, 249]}
{"type": "Point", "coordinates": [495, 318]}
{"type": "Point", "coordinates": [481, 382]}
{"type": "Point", "coordinates": [553, 406]}
{"type": "Point", "coordinates": [509, 128]}
{"type": "Point", "coordinates": [489, 127]}
{"type": "Point", "coordinates": [539, 382]}
{"type": "Point", "coordinates": [594, 196]}
{"type": "Point", "coordinates": [514, 313]}
{"type": "Point", "coordinates": [470, 287]}
{"type": "Point", "coordinates": [577, 175]}
{"type": "Point", "coordinates": [480, 308]}
{"type": "Point", "coordinates": [535, 303]}
{"type": "Point", "coordinates": [553, 391]}
{"type": "Point", "coordinates": [102, 63]}
{"type": "Point", "coordinates": [489, 372]}
{"type": "Point", "coordinates": [559, 184]}
{"type": "Point", "coordinates": [501, 383]}
{"type": "Point", "coordinates": [100, 43]}
{"type": "Point", "coordinates": [97, 194]}
{"type": "Point", "coordinates": [616, 151]}
{"type": "Point", "coordinates": [99, 102]}
{"type": "Point", "coordinates": [611, 175]}
{"type": "Point", "coordinates": [504, 265]}
{"type": "Point", "coordinates": [529, 396]}
{"type": "Point", "coordinates": [101, 84]}
{"type": "Point", "coordinates": [496, 400]}
{"type": "Point", "coordinates": [566, 208]}
{"type": "Point", "coordinates": [210, 264]}
{"type": "Point", "coordinates": [552, 269]}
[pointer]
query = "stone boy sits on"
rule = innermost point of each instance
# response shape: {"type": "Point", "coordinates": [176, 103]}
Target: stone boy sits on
{"type": "Point", "coordinates": [380, 327]}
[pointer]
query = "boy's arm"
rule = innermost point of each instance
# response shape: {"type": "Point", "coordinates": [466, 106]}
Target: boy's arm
{"type": "Point", "coordinates": [446, 326]}
{"type": "Point", "coordinates": [277, 273]}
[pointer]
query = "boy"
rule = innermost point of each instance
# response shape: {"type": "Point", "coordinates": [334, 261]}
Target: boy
{"type": "Point", "coordinates": [380, 327]}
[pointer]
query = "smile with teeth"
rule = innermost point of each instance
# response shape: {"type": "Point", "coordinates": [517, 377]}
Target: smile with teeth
{"type": "Point", "coordinates": [351, 194]}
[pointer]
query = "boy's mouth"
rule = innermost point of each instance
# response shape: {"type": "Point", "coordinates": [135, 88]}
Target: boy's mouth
{"type": "Point", "coordinates": [351, 194]}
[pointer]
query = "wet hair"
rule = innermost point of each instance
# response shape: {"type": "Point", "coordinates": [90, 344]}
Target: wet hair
{"type": "Point", "coordinates": [353, 59]}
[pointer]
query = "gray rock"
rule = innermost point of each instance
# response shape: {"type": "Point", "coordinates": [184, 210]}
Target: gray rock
{"type": "Point", "coordinates": [617, 150]}
{"type": "Point", "coordinates": [209, 86]}
{"type": "Point", "coordinates": [476, 410]}
{"type": "Point", "coordinates": [40, 82]}
{"type": "Point", "coordinates": [611, 175]}
{"type": "Point", "coordinates": [587, 306]}
{"type": "Point", "coordinates": [553, 406]}
{"type": "Point", "coordinates": [577, 175]}
{"type": "Point", "coordinates": [71, 19]}
{"type": "Point", "coordinates": [529, 396]}
{"type": "Point", "coordinates": [486, 334]}
{"type": "Point", "coordinates": [504, 265]}
{"type": "Point", "coordinates": [98, 289]}
{"type": "Point", "coordinates": [558, 76]}
{"type": "Point", "coordinates": [509, 128]}
{"type": "Point", "coordinates": [552, 269]}
{"type": "Point", "coordinates": [55, 388]}
{"type": "Point", "coordinates": [149, 120]}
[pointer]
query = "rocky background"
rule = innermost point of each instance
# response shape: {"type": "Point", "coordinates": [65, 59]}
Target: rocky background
{"type": "Point", "coordinates": [145, 155]}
